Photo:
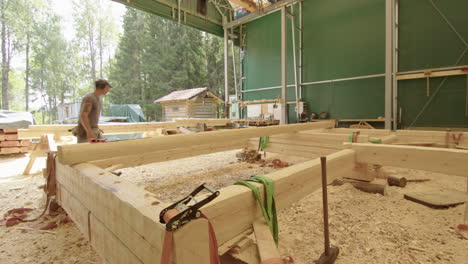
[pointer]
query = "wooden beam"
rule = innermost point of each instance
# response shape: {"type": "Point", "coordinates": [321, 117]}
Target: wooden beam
{"type": "Point", "coordinates": [123, 128]}
{"type": "Point", "coordinates": [73, 154]}
{"type": "Point", "coordinates": [448, 161]}
{"type": "Point", "coordinates": [247, 4]}
{"type": "Point", "coordinates": [236, 208]}
{"type": "Point", "coordinates": [195, 121]}
{"type": "Point", "coordinates": [37, 131]}
{"type": "Point", "coordinates": [432, 74]}
{"type": "Point", "coordinates": [168, 154]}
{"type": "Point", "coordinates": [389, 139]}
{"type": "Point", "coordinates": [123, 217]}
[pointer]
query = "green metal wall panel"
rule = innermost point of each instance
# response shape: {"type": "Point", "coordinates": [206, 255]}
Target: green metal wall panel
{"type": "Point", "coordinates": [433, 34]}
{"type": "Point", "coordinates": [341, 39]}
{"type": "Point", "coordinates": [262, 62]}
{"type": "Point", "coordinates": [426, 40]}
{"type": "Point", "coordinates": [350, 99]}
{"type": "Point", "coordinates": [447, 109]}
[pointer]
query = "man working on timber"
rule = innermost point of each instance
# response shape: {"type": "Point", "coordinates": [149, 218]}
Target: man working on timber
{"type": "Point", "coordinates": [91, 108]}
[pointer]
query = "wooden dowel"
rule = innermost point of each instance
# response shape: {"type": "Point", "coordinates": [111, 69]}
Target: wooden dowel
{"type": "Point", "coordinates": [395, 181]}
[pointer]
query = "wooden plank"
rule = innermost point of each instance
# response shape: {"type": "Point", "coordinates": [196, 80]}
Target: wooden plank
{"type": "Point", "coordinates": [11, 136]}
{"type": "Point", "coordinates": [76, 210]}
{"type": "Point", "coordinates": [236, 208]}
{"type": "Point", "coordinates": [109, 246]}
{"type": "Point", "coordinates": [266, 244]}
{"type": "Point", "coordinates": [306, 152]}
{"type": "Point", "coordinates": [170, 154]}
{"type": "Point", "coordinates": [441, 137]}
{"type": "Point", "coordinates": [449, 161]}
{"type": "Point", "coordinates": [433, 74]}
{"type": "Point", "coordinates": [2, 137]}
{"type": "Point", "coordinates": [369, 132]}
{"type": "Point", "coordinates": [207, 121]}
{"type": "Point", "coordinates": [73, 154]}
{"type": "Point", "coordinates": [12, 150]}
{"type": "Point", "coordinates": [311, 136]}
{"type": "Point", "coordinates": [389, 139]}
{"type": "Point", "coordinates": [9, 130]}
{"type": "Point", "coordinates": [10, 143]}
{"type": "Point", "coordinates": [440, 198]}
{"type": "Point", "coordinates": [123, 128]}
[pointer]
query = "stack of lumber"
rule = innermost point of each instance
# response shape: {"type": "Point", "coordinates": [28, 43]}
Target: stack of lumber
{"type": "Point", "coordinates": [10, 144]}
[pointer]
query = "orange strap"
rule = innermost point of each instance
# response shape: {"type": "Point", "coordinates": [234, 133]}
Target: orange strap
{"type": "Point", "coordinates": [168, 240]}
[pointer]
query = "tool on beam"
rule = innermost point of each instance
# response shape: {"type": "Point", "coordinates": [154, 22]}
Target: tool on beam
{"type": "Point", "coordinates": [331, 252]}
{"type": "Point", "coordinates": [181, 213]}
{"type": "Point", "coordinates": [186, 209]}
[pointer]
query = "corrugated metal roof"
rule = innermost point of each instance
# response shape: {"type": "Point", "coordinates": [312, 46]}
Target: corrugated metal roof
{"type": "Point", "coordinates": [182, 95]}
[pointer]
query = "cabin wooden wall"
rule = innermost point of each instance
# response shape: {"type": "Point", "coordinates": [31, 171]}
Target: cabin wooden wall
{"type": "Point", "coordinates": [174, 110]}
{"type": "Point", "coordinates": [203, 108]}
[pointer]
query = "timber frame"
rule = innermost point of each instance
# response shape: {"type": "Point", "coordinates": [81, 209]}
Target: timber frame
{"type": "Point", "coordinates": [121, 220]}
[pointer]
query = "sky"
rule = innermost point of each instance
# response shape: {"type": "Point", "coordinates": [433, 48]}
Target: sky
{"type": "Point", "coordinates": [64, 8]}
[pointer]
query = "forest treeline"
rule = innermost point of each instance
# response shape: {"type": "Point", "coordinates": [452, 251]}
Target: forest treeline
{"type": "Point", "coordinates": [146, 59]}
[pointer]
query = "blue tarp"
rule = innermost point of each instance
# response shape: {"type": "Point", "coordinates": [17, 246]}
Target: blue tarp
{"type": "Point", "coordinates": [132, 111]}
{"type": "Point", "coordinates": [15, 119]}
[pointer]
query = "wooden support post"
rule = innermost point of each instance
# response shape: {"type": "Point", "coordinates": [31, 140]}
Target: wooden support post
{"type": "Point", "coordinates": [46, 144]}
{"type": "Point", "coordinates": [265, 243]}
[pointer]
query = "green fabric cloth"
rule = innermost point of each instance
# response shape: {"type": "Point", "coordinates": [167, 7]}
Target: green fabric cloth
{"type": "Point", "coordinates": [264, 142]}
{"type": "Point", "coordinates": [269, 205]}
{"type": "Point", "coordinates": [133, 112]}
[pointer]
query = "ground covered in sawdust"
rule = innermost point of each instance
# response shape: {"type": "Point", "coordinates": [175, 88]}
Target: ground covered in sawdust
{"type": "Point", "coordinates": [64, 244]}
{"type": "Point", "coordinates": [368, 228]}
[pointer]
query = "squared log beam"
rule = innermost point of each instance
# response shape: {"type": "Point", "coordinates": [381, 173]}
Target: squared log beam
{"type": "Point", "coordinates": [170, 154]}
{"type": "Point", "coordinates": [73, 154]}
{"type": "Point", "coordinates": [117, 215]}
{"type": "Point", "coordinates": [442, 160]}
{"type": "Point", "coordinates": [236, 208]}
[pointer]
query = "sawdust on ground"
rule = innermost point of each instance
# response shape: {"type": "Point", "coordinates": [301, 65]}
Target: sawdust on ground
{"type": "Point", "coordinates": [368, 228]}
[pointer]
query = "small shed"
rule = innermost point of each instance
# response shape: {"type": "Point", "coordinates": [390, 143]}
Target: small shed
{"type": "Point", "coordinates": [190, 103]}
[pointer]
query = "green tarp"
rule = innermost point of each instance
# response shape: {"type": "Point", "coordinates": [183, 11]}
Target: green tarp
{"type": "Point", "coordinates": [132, 111]}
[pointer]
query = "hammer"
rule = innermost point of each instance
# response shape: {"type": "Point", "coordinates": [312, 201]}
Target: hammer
{"type": "Point", "coordinates": [331, 253]}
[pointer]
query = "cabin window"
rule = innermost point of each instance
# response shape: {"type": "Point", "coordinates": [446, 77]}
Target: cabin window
{"type": "Point", "coordinates": [175, 108]}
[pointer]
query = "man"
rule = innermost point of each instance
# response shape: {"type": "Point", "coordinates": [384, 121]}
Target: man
{"type": "Point", "coordinates": [91, 107]}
